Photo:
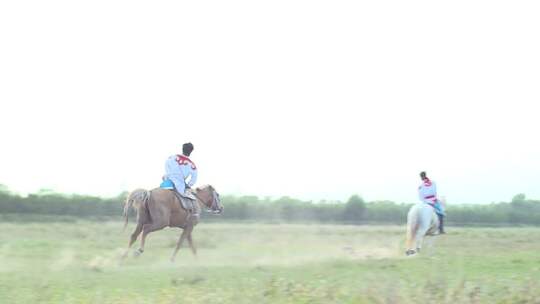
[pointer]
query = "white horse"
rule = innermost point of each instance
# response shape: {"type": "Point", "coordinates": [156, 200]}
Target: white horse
{"type": "Point", "coordinates": [421, 221]}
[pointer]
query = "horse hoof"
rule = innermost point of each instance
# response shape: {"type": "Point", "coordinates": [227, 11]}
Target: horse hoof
{"type": "Point", "coordinates": [138, 252]}
{"type": "Point", "coordinates": [417, 250]}
{"type": "Point", "coordinates": [410, 252]}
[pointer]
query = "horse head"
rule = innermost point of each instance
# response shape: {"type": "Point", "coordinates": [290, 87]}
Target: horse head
{"type": "Point", "coordinates": [210, 199]}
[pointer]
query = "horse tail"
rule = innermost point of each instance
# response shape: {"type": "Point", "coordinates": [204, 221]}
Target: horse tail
{"type": "Point", "coordinates": [135, 199]}
{"type": "Point", "coordinates": [412, 226]}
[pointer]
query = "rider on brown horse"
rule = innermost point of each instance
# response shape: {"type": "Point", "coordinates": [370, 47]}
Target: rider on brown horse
{"type": "Point", "coordinates": [178, 168]}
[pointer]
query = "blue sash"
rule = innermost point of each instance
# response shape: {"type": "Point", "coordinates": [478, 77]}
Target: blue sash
{"type": "Point", "coordinates": [167, 184]}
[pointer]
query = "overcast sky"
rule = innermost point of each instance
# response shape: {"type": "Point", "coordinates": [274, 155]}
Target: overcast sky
{"type": "Point", "coordinates": [310, 99]}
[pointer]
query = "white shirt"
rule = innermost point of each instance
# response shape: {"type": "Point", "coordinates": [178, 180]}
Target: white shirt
{"type": "Point", "coordinates": [181, 165]}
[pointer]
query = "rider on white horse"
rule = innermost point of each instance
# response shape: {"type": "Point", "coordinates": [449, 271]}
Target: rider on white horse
{"type": "Point", "coordinates": [427, 193]}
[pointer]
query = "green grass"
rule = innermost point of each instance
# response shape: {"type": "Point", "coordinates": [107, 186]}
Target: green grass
{"type": "Point", "coordinates": [78, 262]}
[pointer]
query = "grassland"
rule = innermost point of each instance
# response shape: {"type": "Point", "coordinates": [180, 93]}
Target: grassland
{"type": "Point", "coordinates": [78, 262]}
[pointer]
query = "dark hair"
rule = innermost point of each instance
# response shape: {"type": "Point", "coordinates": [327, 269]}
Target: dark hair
{"type": "Point", "coordinates": [187, 148]}
{"type": "Point", "coordinates": [423, 175]}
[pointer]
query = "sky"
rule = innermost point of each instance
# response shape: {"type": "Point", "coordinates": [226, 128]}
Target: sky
{"type": "Point", "coordinates": [316, 100]}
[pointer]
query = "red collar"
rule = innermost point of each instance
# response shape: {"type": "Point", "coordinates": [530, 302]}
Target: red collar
{"type": "Point", "coordinates": [183, 157]}
{"type": "Point", "coordinates": [184, 160]}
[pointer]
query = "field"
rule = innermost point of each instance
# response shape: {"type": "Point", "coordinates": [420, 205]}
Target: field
{"type": "Point", "coordinates": [78, 262]}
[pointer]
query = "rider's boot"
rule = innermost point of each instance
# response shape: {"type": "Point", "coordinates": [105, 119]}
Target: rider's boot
{"type": "Point", "coordinates": [441, 224]}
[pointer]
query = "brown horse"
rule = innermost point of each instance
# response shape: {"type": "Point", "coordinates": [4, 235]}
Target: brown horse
{"type": "Point", "coordinates": [159, 208]}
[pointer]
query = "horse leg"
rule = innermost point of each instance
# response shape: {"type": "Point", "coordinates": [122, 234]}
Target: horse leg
{"type": "Point", "coordinates": [410, 237]}
{"type": "Point", "coordinates": [183, 236]}
{"type": "Point", "coordinates": [191, 245]}
{"type": "Point", "coordinates": [412, 230]}
{"type": "Point", "coordinates": [420, 234]}
{"type": "Point", "coordinates": [146, 229]}
{"type": "Point", "coordinates": [133, 238]}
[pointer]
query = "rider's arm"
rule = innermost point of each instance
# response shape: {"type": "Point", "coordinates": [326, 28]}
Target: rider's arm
{"type": "Point", "coordinates": [193, 178]}
{"type": "Point", "coordinates": [420, 194]}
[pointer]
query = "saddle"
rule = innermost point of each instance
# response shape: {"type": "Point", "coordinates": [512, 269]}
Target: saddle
{"type": "Point", "coordinates": [187, 200]}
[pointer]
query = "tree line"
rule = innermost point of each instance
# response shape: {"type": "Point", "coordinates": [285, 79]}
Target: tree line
{"type": "Point", "coordinates": [519, 211]}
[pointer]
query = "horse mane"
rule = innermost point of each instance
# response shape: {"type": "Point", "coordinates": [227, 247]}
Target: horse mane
{"type": "Point", "coordinates": [205, 186]}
